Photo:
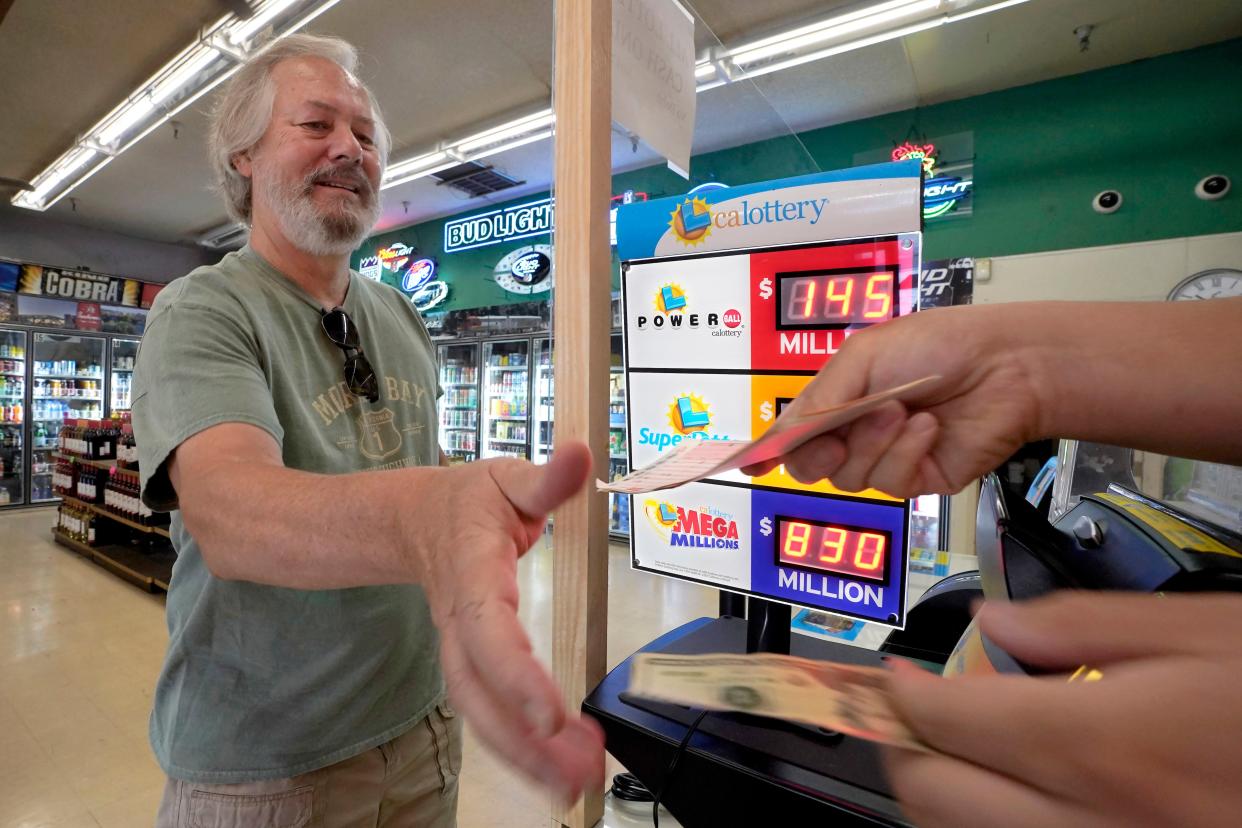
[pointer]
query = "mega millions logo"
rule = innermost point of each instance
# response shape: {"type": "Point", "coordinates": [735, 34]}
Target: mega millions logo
{"type": "Point", "coordinates": [689, 418]}
{"type": "Point", "coordinates": [691, 221]}
{"type": "Point", "coordinates": [704, 528]}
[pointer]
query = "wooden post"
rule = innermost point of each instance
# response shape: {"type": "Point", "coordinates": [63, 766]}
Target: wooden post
{"type": "Point", "coordinates": [582, 96]}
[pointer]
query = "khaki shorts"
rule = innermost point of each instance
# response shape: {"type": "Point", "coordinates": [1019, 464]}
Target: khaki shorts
{"type": "Point", "coordinates": [410, 781]}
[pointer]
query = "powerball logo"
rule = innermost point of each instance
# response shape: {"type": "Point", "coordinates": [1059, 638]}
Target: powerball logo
{"type": "Point", "coordinates": [672, 312]}
{"type": "Point", "coordinates": [691, 221]}
{"type": "Point", "coordinates": [689, 418]}
{"type": "Point", "coordinates": [704, 528]}
{"type": "Point", "coordinates": [670, 298]}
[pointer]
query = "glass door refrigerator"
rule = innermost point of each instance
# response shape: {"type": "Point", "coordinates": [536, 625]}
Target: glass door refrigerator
{"type": "Point", "coordinates": [459, 406]}
{"type": "Point", "coordinates": [543, 403]}
{"type": "Point", "coordinates": [67, 382]}
{"type": "Point", "coordinates": [13, 413]}
{"type": "Point", "coordinates": [618, 458]}
{"type": "Point", "coordinates": [120, 377]}
{"type": "Point", "coordinates": [506, 402]}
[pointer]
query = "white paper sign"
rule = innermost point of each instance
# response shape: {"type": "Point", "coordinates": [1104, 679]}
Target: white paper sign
{"type": "Point", "coordinates": [653, 89]}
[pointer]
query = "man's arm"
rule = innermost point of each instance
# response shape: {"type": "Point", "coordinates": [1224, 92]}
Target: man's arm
{"type": "Point", "coordinates": [457, 532]}
{"type": "Point", "coordinates": [1156, 376]}
{"type": "Point", "coordinates": [256, 520]}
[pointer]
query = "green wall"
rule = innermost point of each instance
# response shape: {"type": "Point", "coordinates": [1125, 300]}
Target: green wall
{"type": "Point", "coordinates": [1150, 129]}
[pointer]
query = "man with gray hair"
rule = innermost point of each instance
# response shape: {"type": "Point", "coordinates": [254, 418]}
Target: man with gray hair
{"type": "Point", "coordinates": [332, 581]}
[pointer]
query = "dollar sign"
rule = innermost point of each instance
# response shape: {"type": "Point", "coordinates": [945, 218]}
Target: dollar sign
{"type": "Point", "coordinates": [765, 412]}
{"type": "Point", "coordinates": [765, 527]}
{"type": "Point", "coordinates": [765, 288]}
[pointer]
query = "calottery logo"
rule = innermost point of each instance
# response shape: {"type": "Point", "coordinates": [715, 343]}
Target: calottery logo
{"type": "Point", "coordinates": [689, 418]}
{"type": "Point", "coordinates": [691, 221]}
{"type": "Point", "coordinates": [704, 528]}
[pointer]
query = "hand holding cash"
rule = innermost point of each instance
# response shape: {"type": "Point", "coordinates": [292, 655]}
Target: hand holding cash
{"type": "Point", "coordinates": [696, 459]}
{"type": "Point", "coordinates": [853, 700]}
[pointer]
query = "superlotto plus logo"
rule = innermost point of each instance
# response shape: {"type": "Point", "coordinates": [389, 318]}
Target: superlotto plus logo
{"type": "Point", "coordinates": [673, 313]}
{"type": "Point", "coordinates": [704, 528]}
{"type": "Point", "coordinates": [689, 418]}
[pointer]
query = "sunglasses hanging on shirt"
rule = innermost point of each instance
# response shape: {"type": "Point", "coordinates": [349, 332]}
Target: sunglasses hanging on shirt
{"type": "Point", "coordinates": [359, 375]}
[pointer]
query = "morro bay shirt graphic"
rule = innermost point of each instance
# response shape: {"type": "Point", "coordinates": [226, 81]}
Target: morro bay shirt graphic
{"type": "Point", "coordinates": [264, 682]}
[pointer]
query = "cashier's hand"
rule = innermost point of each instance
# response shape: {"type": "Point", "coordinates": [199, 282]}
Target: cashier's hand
{"type": "Point", "coordinates": [489, 516]}
{"type": "Point", "coordinates": [985, 407]}
{"type": "Point", "coordinates": [1155, 742]}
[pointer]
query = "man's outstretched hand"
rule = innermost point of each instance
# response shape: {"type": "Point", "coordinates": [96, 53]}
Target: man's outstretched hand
{"type": "Point", "coordinates": [488, 515]}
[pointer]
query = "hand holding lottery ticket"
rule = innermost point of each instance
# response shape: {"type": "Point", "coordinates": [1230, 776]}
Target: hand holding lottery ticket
{"type": "Point", "coordinates": [694, 460]}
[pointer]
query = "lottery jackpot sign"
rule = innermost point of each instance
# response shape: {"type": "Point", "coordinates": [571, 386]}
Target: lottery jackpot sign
{"type": "Point", "coordinates": [725, 323]}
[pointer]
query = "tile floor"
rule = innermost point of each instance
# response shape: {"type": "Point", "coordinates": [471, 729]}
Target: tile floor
{"type": "Point", "coordinates": [79, 654]}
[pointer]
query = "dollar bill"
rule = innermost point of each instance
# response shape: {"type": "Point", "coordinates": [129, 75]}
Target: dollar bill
{"type": "Point", "coordinates": [856, 701]}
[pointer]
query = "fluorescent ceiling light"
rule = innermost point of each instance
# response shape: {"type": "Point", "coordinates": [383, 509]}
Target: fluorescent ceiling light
{"type": "Point", "coordinates": [969, 13]}
{"type": "Point", "coordinates": [196, 70]}
{"type": "Point", "coordinates": [516, 133]}
{"type": "Point", "coordinates": [418, 167]}
{"type": "Point", "coordinates": [832, 28]}
{"type": "Point", "coordinates": [243, 30]}
{"type": "Point", "coordinates": [716, 69]}
{"type": "Point", "coordinates": [843, 48]}
{"type": "Point", "coordinates": [519, 127]}
{"type": "Point", "coordinates": [520, 142]}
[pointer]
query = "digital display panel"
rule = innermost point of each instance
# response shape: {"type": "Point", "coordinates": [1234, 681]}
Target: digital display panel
{"type": "Point", "coordinates": [849, 551]}
{"type": "Point", "coordinates": [835, 299]}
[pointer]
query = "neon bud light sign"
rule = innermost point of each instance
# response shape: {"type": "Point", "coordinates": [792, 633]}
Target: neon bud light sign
{"type": "Point", "coordinates": [941, 193]}
{"type": "Point", "coordinates": [520, 221]}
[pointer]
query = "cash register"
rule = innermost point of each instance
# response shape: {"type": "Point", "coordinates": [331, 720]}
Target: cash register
{"type": "Point", "coordinates": [744, 770]}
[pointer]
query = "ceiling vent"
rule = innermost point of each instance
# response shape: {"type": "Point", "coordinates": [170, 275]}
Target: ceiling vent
{"type": "Point", "coordinates": [475, 179]}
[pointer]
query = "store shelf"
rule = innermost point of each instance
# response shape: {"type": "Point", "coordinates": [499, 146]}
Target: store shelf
{"type": "Point", "coordinates": [507, 368]}
{"type": "Point", "coordinates": [152, 571]}
{"type": "Point", "coordinates": [99, 510]}
{"type": "Point", "coordinates": [86, 461]}
{"type": "Point", "coordinates": [8, 374]}
{"type": "Point", "coordinates": [617, 457]}
{"type": "Point", "coordinates": [505, 417]}
{"type": "Point", "coordinates": [67, 399]}
{"type": "Point", "coordinates": [122, 370]}
{"type": "Point", "coordinates": [459, 384]}
{"type": "Point", "coordinates": [70, 376]}
{"type": "Point", "coordinates": [509, 442]}
{"type": "Point", "coordinates": [615, 369]}
{"type": "Point", "coordinates": [461, 407]}
{"type": "Point", "coordinates": [458, 428]}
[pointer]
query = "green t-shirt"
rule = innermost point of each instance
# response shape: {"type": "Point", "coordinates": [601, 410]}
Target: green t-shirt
{"type": "Point", "coordinates": [264, 682]}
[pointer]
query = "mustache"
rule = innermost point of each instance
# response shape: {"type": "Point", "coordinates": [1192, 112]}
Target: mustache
{"type": "Point", "coordinates": [350, 174]}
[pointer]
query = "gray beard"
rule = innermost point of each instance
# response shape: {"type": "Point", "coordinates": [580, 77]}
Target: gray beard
{"type": "Point", "coordinates": [313, 230]}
